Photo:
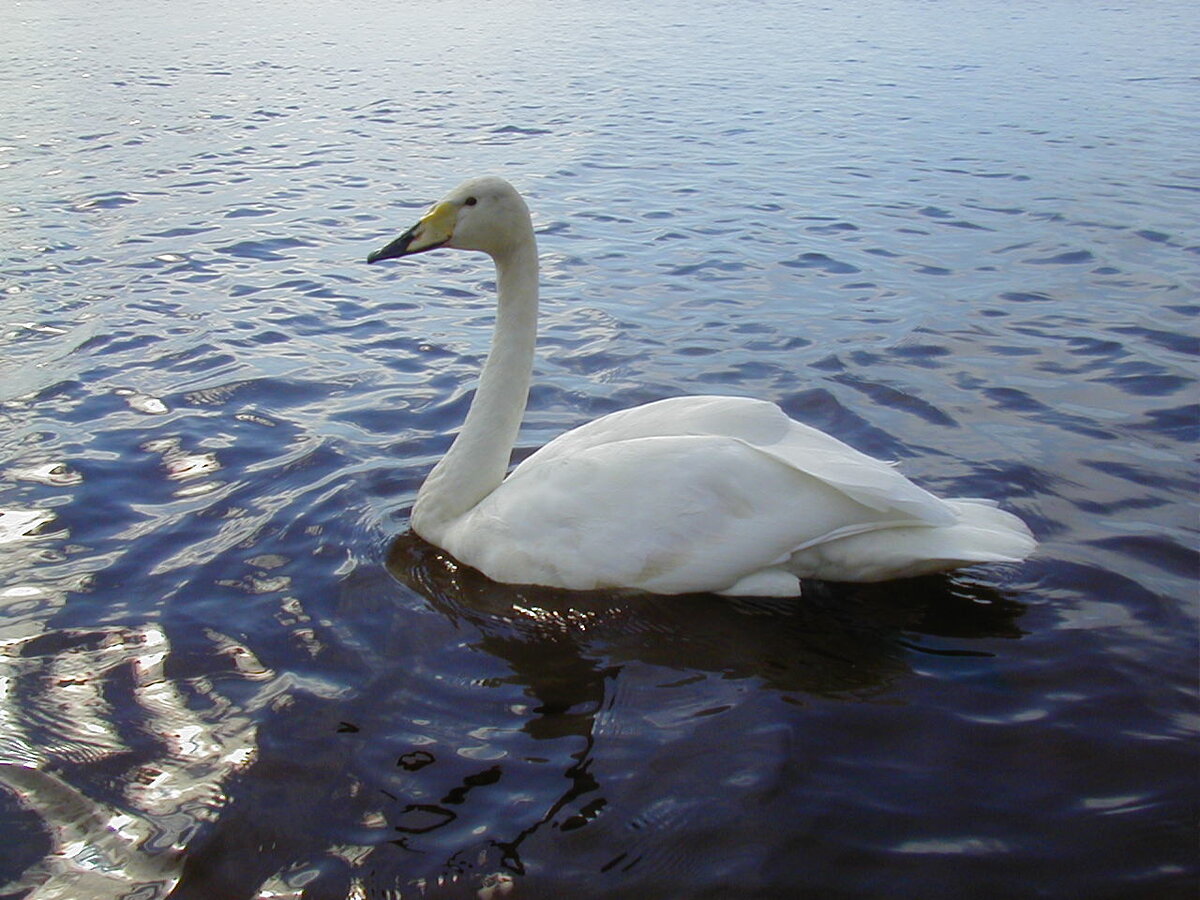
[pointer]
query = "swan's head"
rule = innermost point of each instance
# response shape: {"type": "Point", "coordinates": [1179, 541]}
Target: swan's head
{"type": "Point", "coordinates": [481, 214]}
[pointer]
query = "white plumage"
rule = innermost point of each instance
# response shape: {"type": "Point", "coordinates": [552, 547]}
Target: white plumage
{"type": "Point", "coordinates": [690, 494]}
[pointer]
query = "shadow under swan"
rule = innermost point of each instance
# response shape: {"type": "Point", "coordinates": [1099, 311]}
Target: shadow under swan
{"type": "Point", "coordinates": [839, 640]}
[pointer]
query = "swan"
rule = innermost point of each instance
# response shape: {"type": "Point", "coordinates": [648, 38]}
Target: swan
{"type": "Point", "coordinates": [719, 494]}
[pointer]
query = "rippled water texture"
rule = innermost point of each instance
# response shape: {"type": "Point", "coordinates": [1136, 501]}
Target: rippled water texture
{"type": "Point", "coordinates": [962, 235]}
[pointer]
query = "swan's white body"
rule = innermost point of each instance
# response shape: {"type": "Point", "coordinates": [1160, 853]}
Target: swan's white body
{"type": "Point", "coordinates": [720, 494]}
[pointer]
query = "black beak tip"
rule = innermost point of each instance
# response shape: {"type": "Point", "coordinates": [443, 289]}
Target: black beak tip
{"type": "Point", "coordinates": [397, 248]}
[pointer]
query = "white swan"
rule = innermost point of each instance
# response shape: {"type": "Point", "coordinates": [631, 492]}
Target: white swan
{"type": "Point", "coordinates": [715, 494]}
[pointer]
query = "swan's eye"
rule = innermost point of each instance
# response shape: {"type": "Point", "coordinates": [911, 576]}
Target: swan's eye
{"type": "Point", "coordinates": [470, 201]}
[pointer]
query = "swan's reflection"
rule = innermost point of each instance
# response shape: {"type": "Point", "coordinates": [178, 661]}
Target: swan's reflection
{"type": "Point", "coordinates": [571, 655]}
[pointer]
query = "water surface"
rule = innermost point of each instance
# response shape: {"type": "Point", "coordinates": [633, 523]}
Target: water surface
{"type": "Point", "coordinates": [962, 235]}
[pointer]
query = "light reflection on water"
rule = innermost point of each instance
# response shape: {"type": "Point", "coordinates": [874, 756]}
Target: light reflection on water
{"type": "Point", "coordinates": [951, 236]}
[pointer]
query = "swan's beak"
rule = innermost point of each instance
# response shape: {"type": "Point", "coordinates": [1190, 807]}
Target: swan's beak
{"type": "Point", "coordinates": [434, 230]}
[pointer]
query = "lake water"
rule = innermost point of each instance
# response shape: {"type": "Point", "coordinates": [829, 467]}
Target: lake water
{"type": "Point", "coordinates": [962, 235]}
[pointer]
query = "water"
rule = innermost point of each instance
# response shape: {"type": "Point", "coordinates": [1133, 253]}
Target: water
{"type": "Point", "coordinates": [963, 236]}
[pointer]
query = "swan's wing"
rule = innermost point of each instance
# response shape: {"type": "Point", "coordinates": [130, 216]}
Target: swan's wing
{"type": "Point", "coordinates": [669, 514]}
{"type": "Point", "coordinates": [768, 429]}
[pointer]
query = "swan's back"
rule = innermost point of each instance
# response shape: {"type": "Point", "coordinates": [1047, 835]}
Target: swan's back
{"type": "Point", "coordinates": [768, 429]}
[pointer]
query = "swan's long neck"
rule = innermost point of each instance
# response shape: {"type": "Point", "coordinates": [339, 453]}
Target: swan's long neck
{"type": "Point", "coordinates": [478, 459]}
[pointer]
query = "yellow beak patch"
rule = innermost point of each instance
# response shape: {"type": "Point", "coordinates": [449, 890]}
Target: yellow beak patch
{"type": "Point", "coordinates": [435, 227]}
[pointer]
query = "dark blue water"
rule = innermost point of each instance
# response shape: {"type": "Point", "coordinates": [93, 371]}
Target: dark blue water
{"type": "Point", "coordinates": [961, 235]}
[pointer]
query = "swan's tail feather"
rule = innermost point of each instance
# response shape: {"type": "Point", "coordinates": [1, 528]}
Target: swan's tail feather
{"type": "Point", "coordinates": [988, 532]}
{"type": "Point", "coordinates": [983, 533]}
